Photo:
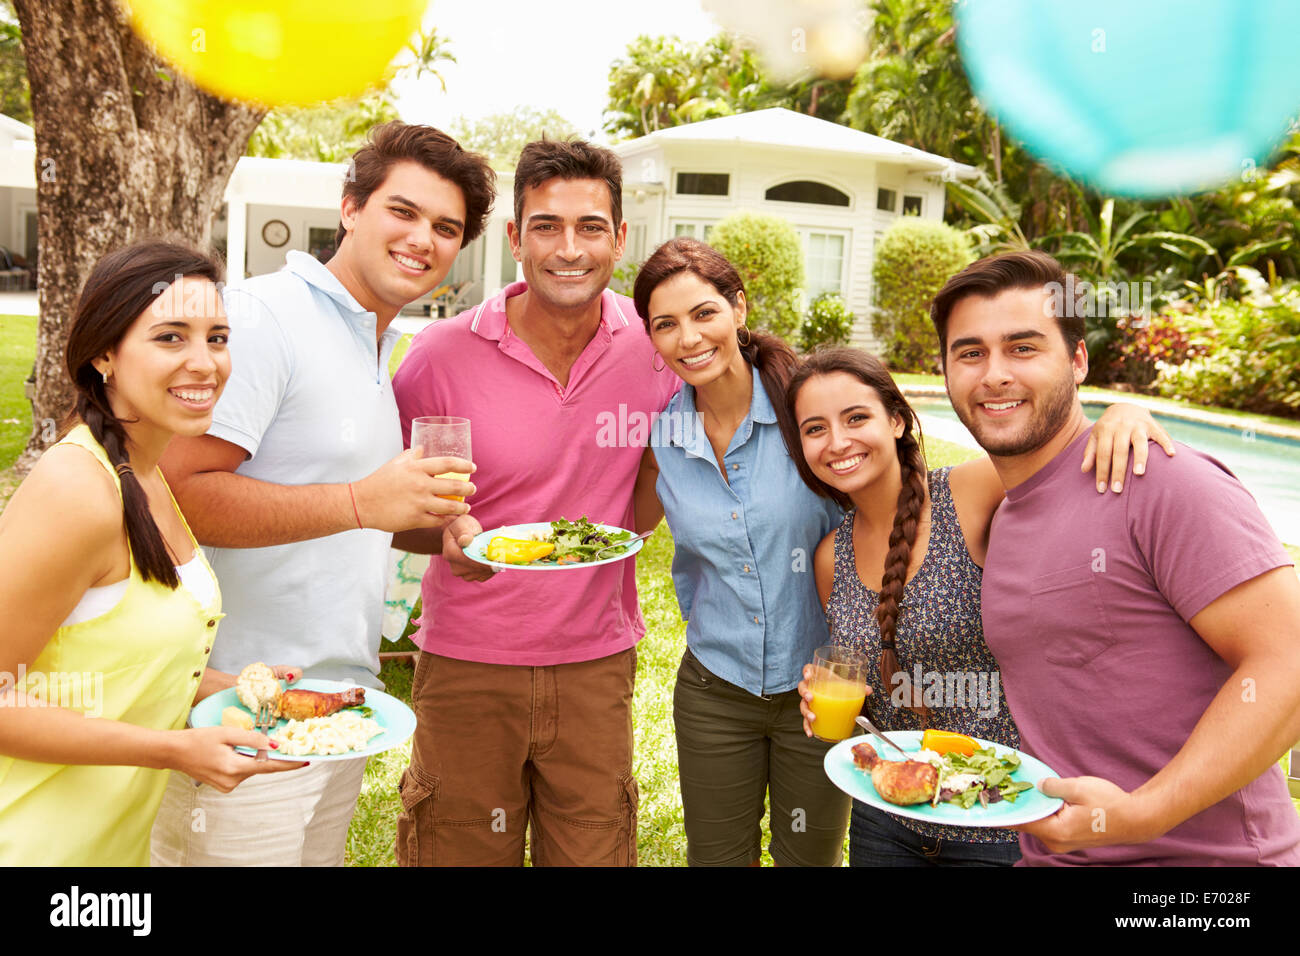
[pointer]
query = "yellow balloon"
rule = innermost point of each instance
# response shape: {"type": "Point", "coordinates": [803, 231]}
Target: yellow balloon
{"type": "Point", "coordinates": [279, 52]}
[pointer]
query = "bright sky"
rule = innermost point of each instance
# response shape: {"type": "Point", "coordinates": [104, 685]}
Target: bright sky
{"type": "Point", "coordinates": [549, 55]}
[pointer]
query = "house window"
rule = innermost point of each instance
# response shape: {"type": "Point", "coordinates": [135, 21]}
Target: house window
{"type": "Point", "coordinates": [886, 199]}
{"type": "Point", "coordinates": [695, 228]}
{"type": "Point", "coordinates": [807, 191]}
{"type": "Point", "coordinates": [320, 243]}
{"type": "Point", "coordinates": [703, 184]}
{"type": "Point", "coordinates": [911, 205]}
{"type": "Point", "coordinates": [824, 262]}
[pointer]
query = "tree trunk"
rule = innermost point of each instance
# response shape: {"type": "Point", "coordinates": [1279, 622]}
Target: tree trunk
{"type": "Point", "coordinates": [126, 148]}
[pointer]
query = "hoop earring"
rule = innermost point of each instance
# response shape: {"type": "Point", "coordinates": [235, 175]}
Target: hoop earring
{"type": "Point", "coordinates": [657, 368]}
{"type": "Point", "coordinates": [744, 343]}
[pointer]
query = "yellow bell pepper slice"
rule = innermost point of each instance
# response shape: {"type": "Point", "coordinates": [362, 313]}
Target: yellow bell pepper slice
{"type": "Point", "coordinates": [515, 551]}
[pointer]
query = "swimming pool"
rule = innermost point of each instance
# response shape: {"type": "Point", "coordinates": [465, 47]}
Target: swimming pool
{"type": "Point", "coordinates": [1268, 466]}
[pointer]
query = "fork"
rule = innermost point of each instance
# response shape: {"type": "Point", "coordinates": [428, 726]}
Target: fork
{"type": "Point", "coordinates": [265, 721]}
{"type": "Point", "coordinates": [871, 728]}
{"type": "Point", "coordinates": [622, 544]}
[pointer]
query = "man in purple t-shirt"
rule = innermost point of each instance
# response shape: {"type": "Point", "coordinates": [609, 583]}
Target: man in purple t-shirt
{"type": "Point", "coordinates": [1149, 643]}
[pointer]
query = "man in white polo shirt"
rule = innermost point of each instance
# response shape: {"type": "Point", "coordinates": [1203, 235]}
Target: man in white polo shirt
{"type": "Point", "coordinates": [301, 480]}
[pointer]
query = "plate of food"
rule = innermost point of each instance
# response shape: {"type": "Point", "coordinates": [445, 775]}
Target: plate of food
{"type": "Point", "coordinates": [964, 781]}
{"type": "Point", "coordinates": [551, 545]}
{"type": "Point", "coordinates": [314, 719]}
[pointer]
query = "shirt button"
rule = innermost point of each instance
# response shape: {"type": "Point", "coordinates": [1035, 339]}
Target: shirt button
{"type": "Point", "coordinates": [196, 675]}
{"type": "Point", "coordinates": [207, 650]}
{"type": "Point", "coordinates": [734, 516]}
{"type": "Point", "coordinates": [747, 569]}
{"type": "Point", "coordinates": [755, 620]}
{"type": "Point", "coordinates": [212, 623]}
{"type": "Point", "coordinates": [735, 468]}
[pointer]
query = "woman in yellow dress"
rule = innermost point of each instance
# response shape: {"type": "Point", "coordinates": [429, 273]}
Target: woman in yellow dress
{"type": "Point", "coordinates": [108, 604]}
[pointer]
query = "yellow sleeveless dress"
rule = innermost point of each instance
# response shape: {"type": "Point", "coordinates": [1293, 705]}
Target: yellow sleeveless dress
{"type": "Point", "coordinates": [139, 662]}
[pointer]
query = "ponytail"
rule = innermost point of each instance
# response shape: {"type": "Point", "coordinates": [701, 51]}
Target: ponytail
{"type": "Point", "coordinates": [776, 363]}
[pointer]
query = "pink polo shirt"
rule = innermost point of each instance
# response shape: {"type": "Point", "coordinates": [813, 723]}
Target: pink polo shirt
{"type": "Point", "coordinates": [543, 452]}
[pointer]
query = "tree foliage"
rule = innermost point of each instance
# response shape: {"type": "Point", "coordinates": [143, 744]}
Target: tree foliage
{"type": "Point", "coordinates": [501, 137]}
{"type": "Point", "coordinates": [15, 97]}
{"type": "Point", "coordinates": [766, 252]}
{"type": "Point", "coordinates": [661, 82]}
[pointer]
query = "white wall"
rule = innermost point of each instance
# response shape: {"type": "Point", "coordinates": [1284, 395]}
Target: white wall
{"type": "Point", "coordinates": [263, 258]}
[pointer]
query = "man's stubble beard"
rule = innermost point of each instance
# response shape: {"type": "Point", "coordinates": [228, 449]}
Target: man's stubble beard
{"type": "Point", "coordinates": [1038, 432]}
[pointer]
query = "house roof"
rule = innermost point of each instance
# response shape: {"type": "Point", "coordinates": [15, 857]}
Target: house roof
{"type": "Point", "coordinates": [785, 128]}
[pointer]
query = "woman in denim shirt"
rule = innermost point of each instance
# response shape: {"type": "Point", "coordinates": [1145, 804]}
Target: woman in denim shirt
{"type": "Point", "coordinates": [745, 528]}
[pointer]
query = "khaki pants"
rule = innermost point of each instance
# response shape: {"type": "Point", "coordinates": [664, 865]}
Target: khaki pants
{"type": "Point", "coordinates": [298, 818]}
{"type": "Point", "coordinates": [501, 750]}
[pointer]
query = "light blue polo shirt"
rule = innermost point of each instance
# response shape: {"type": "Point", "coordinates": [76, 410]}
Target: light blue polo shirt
{"type": "Point", "coordinates": [743, 565]}
{"type": "Point", "coordinates": [310, 399]}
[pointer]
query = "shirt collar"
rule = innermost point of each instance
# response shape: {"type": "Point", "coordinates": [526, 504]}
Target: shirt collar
{"type": "Point", "coordinates": [314, 272]}
{"type": "Point", "coordinates": [489, 319]}
{"type": "Point", "coordinates": [686, 430]}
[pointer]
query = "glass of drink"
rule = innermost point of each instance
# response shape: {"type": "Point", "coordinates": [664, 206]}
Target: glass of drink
{"type": "Point", "coordinates": [438, 436]}
{"type": "Point", "coordinates": [839, 688]}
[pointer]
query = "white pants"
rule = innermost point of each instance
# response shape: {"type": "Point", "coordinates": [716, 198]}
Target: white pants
{"type": "Point", "coordinates": [297, 818]}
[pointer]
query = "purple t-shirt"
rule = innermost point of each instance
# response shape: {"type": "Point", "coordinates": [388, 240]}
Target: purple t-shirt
{"type": "Point", "coordinates": [1086, 602]}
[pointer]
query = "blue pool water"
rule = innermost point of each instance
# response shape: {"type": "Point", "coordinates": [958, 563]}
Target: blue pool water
{"type": "Point", "coordinates": [1269, 467]}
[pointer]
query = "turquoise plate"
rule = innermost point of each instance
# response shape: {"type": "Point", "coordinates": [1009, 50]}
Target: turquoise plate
{"type": "Point", "coordinates": [395, 717]}
{"type": "Point", "coordinates": [1029, 806]}
{"type": "Point", "coordinates": [477, 550]}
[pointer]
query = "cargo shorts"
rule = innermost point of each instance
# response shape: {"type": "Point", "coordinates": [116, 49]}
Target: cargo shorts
{"type": "Point", "coordinates": [505, 756]}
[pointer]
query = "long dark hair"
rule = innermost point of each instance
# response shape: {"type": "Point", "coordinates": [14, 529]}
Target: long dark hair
{"type": "Point", "coordinates": [911, 496]}
{"type": "Point", "coordinates": [768, 353]}
{"type": "Point", "coordinates": [120, 287]}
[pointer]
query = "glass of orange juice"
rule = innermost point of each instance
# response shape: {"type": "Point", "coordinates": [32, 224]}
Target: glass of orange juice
{"type": "Point", "coordinates": [839, 688]}
{"type": "Point", "coordinates": [440, 436]}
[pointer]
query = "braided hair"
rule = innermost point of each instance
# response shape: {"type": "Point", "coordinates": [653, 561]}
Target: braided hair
{"type": "Point", "coordinates": [120, 288]}
{"type": "Point", "coordinates": [911, 495]}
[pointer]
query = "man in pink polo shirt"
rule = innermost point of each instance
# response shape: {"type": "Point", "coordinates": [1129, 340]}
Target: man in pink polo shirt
{"type": "Point", "coordinates": [1149, 642]}
{"type": "Point", "coordinates": [524, 684]}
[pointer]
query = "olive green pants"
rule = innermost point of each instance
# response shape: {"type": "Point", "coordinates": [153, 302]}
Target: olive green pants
{"type": "Point", "coordinates": [734, 750]}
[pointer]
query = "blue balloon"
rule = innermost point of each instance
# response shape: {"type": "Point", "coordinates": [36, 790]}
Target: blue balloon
{"type": "Point", "coordinates": [1142, 98]}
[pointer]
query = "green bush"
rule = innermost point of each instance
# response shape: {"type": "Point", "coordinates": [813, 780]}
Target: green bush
{"type": "Point", "coordinates": [914, 258]}
{"type": "Point", "coordinates": [624, 277]}
{"type": "Point", "coordinates": [828, 322]}
{"type": "Point", "coordinates": [1250, 356]}
{"type": "Point", "coordinates": [766, 252]}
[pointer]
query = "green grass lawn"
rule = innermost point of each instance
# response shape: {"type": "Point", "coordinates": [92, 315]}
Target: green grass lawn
{"type": "Point", "coordinates": [17, 352]}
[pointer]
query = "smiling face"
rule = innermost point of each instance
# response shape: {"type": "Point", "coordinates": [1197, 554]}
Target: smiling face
{"type": "Point", "coordinates": [401, 244]}
{"type": "Point", "coordinates": [569, 242]}
{"type": "Point", "coordinates": [168, 370]}
{"type": "Point", "coordinates": [848, 438]}
{"type": "Point", "coordinates": [693, 327]}
{"type": "Point", "coordinates": [1010, 377]}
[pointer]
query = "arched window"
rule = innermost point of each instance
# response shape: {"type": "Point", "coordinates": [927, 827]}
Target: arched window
{"type": "Point", "coordinates": [805, 190]}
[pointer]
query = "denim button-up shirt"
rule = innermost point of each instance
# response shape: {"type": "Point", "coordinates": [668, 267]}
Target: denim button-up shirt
{"type": "Point", "coordinates": [743, 566]}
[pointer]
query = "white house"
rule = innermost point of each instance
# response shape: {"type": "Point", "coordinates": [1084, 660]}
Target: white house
{"type": "Point", "coordinates": [840, 188]}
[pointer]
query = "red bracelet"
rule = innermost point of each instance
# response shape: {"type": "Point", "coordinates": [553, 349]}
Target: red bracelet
{"type": "Point", "coordinates": [353, 495]}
